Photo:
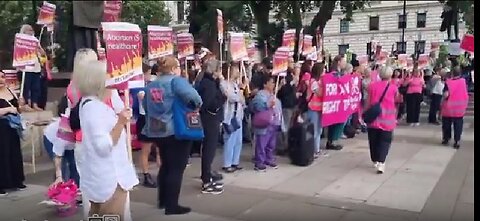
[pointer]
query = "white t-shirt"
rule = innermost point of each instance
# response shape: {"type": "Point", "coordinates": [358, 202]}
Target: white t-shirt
{"type": "Point", "coordinates": [51, 130]}
{"type": "Point", "coordinates": [438, 88]}
{"type": "Point", "coordinates": [108, 164]}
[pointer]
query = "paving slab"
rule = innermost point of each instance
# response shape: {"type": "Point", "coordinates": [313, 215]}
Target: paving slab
{"type": "Point", "coordinates": [410, 186]}
{"type": "Point", "coordinates": [463, 212]}
{"type": "Point", "coordinates": [363, 216]}
{"type": "Point", "coordinates": [282, 210]}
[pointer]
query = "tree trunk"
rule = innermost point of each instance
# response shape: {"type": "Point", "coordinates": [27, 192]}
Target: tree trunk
{"type": "Point", "coordinates": [297, 24]}
{"type": "Point", "coordinates": [261, 13]}
{"type": "Point", "coordinates": [321, 18]}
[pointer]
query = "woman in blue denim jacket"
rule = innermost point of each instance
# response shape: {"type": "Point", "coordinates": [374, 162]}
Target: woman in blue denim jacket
{"type": "Point", "coordinates": [159, 96]}
{"type": "Point", "coordinates": [266, 138]}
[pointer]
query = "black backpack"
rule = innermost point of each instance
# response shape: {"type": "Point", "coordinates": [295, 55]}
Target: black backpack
{"type": "Point", "coordinates": [74, 119]}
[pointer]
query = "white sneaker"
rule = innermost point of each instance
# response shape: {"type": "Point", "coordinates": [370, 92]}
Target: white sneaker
{"type": "Point", "coordinates": [417, 124]}
{"type": "Point", "coordinates": [375, 165]}
{"type": "Point", "coordinates": [412, 125]}
{"type": "Point", "coordinates": [381, 168]}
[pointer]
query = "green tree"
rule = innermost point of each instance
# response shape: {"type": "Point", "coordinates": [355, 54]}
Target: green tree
{"type": "Point", "coordinates": [203, 20]}
{"type": "Point", "coordinates": [12, 16]}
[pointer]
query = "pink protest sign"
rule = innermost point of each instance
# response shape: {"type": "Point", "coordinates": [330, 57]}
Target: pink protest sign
{"type": "Point", "coordinates": [341, 98]}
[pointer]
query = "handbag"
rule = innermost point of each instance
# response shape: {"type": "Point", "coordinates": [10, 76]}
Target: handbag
{"type": "Point", "coordinates": [262, 119]}
{"type": "Point", "coordinates": [375, 110]}
{"type": "Point", "coordinates": [187, 124]}
{"type": "Point", "coordinates": [14, 120]}
{"type": "Point", "coordinates": [233, 125]}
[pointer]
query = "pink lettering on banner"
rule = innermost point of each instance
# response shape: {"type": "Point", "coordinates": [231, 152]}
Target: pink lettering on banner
{"type": "Point", "coordinates": [341, 98]}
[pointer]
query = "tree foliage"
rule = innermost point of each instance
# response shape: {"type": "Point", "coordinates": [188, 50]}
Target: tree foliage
{"type": "Point", "coordinates": [16, 13]}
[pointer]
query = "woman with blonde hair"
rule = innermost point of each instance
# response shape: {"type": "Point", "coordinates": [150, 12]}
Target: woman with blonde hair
{"type": "Point", "coordinates": [158, 103]}
{"type": "Point", "coordinates": [109, 174]}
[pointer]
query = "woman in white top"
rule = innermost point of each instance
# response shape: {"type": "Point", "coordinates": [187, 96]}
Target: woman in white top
{"type": "Point", "coordinates": [107, 174]}
{"type": "Point", "coordinates": [436, 96]}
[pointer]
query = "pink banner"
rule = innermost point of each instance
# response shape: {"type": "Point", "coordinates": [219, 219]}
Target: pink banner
{"type": "Point", "coordinates": [341, 98]}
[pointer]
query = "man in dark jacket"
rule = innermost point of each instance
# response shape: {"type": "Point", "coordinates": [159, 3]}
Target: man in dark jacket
{"type": "Point", "coordinates": [287, 95]}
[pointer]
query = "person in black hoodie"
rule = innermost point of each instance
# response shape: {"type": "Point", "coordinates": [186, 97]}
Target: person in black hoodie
{"type": "Point", "coordinates": [211, 114]}
{"type": "Point", "coordinates": [287, 95]}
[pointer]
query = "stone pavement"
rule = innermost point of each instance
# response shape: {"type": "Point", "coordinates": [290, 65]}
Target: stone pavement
{"type": "Point", "coordinates": [423, 181]}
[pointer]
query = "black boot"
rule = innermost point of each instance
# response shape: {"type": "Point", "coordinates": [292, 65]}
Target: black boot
{"type": "Point", "coordinates": [148, 181]}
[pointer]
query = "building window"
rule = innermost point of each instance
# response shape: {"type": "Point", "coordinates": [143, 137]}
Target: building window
{"type": "Point", "coordinates": [342, 49]}
{"type": "Point", "coordinates": [402, 21]}
{"type": "Point", "coordinates": [344, 26]}
{"type": "Point", "coordinates": [421, 20]}
{"type": "Point", "coordinates": [374, 23]}
{"type": "Point", "coordinates": [401, 47]}
{"type": "Point", "coordinates": [419, 47]}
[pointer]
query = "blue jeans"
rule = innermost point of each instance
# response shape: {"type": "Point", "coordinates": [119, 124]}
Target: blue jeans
{"type": "Point", "coordinates": [69, 168]}
{"type": "Point", "coordinates": [315, 118]}
{"type": "Point", "coordinates": [232, 148]}
{"type": "Point", "coordinates": [32, 87]}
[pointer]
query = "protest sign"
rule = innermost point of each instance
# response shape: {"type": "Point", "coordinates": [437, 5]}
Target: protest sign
{"type": "Point", "coordinates": [25, 50]}
{"type": "Point", "coordinates": [123, 43]}
{"type": "Point", "coordinates": [238, 49]}
{"type": "Point", "coordinates": [160, 41]}
{"type": "Point", "coordinates": [46, 15]}
{"type": "Point", "coordinates": [280, 60]}
{"type": "Point", "coordinates": [220, 26]}
{"type": "Point", "coordinates": [288, 39]}
{"type": "Point", "coordinates": [422, 61]}
{"type": "Point", "coordinates": [185, 45]}
{"type": "Point", "coordinates": [307, 45]}
{"type": "Point", "coordinates": [112, 11]}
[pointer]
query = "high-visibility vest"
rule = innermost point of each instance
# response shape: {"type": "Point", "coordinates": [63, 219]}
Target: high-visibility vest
{"type": "Point", "coordinates": [316, 102]}
{"type": "Point", "coordinates": [387, 120]}
{"type": "Point", "coordinates": [456, 103]}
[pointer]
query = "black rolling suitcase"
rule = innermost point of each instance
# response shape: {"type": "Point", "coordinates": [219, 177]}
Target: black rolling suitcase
{"type": "Point", "coordinates": [300, 144]}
